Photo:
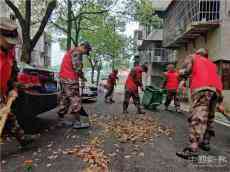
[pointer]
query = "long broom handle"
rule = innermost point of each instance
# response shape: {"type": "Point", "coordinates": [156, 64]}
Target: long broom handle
{"type": "Point", "coordinates": [6, 110]}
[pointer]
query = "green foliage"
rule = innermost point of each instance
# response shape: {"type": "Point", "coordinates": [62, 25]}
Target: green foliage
{"type": "Point", "coordinates": [143, 11]}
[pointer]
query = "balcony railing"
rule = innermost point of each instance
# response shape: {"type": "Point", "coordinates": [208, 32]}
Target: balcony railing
{"type": "Point", "coordinates": [158, 55]}
{"type": "Point", "coordinates": [189, 19]}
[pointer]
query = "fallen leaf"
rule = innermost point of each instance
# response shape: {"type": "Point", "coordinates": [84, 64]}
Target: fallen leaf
{"type": "Point", "coordinates": [28, 162]}
{"type": "Point", "coordinates": [112, 154]}
{"type": "Point", "coordinates": [50, 145]}
{"type": "Point", "coordinates": [127, 156]}
{"type": "Point", "coordinates": [74, 136]}
{"type": "Point", "coordinates": [48, 165]}
{"type": "Point", "coordinates": [141, 154]}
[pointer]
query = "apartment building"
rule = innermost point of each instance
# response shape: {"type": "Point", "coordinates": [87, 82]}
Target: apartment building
{"type": "Point", "coordinates": [150, 50]}
{"type": "Point", "coordinates": [190, 25]}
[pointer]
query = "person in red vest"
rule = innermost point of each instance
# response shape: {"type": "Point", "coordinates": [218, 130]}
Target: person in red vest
{"type": "Point", "coordinates": [8, 77]}
{"type": "Point", "coordinates": [133, 82]}
{"type": "Point", "coordinates": [111, 83]}
{"type": "Point", "coordinates": [70, 73]}
{"type": "Point", "coordinates": [206, 91]}
{"type": "Point", "coordinates": [171, 84]}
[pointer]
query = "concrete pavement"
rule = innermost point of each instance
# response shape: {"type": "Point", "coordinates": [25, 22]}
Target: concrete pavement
{"type": "Point", "coordinates": [157, 155]}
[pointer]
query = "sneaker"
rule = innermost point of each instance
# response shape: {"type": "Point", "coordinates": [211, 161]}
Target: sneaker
{"type": "Point", "coordinates": [64, 123]}
{"type": "Point", "coordinates": [80, 125]}
{"type": "Point", "coordinates": [188, 154]}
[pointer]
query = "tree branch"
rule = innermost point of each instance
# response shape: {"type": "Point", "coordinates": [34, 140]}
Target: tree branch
{"type": "Point", "coordinates": [59, 27]}
{"type": "Point", "coordinates": [84, 28]}
{"type": "Point", "coordinates": [28, 15]}
{"type": "Point", "coordinates": [89, 13]}
{"type": "Point", "coordinates": [17, 13]}
{"type": "Point", "coordinates": [62, 29]}
{"type": "Point", "coordinates": [45, 19]}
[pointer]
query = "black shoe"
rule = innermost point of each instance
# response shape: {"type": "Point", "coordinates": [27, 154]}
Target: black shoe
{"type": "Point", "coordinates": [112, 101]}
{"type": "Point", "coordinates": [106, 101]}
{"type": "Point", "coordinates": [140, 111]}
{"type": "Point", "coordinates": [178, 110]}
{"type": "Point", "coordinates": [60, 115]}
{"type": "Point", "coordinates": [83, 112]}
{"type": "Point", "coordinates": [125, 112]}
{"type": "Point", "coordinates": [205, 147]}
{"type": "Point", "coordinates": [188, 154]}
{"type": "Point", "coordinates": [26, 144]}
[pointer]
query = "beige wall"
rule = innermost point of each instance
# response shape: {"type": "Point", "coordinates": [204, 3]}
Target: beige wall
{"type": "Point", "coordinates": [218, 44]}
{"type": "Point", "coordinates": [213, 44]}
{"type": "Point", "coordinates": [227, 100]}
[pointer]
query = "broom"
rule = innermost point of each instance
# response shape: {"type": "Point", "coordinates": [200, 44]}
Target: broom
{"type": "Point", "coordinates": [5, 110]}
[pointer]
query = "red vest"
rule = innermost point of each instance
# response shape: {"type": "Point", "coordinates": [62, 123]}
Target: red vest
{"type": "Point", "coordinates": [204, 74]}
{"type": "Point", "coordinates": [112, 79]}
{"type": "Point", "coordinates": [6, 63]}
{"type": "Point", "coordinates": [172, 80]}
{"type": "Point", "coordinates": [130, 84]}
{"type": "Point", "coordinates": [67, 71]}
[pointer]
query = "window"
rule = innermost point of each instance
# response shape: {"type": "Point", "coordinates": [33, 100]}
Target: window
{"type": "Point", "coordinates": [226, 75]}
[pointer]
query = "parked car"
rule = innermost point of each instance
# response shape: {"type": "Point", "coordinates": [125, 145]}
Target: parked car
{"type": "Point", "coordinates": [41, 96]}
{"type": "Point", "coordinates": [88, 92]}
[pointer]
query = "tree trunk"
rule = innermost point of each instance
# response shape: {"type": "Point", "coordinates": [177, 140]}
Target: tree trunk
{"type": "Point", "coordinates": [99, 73]}
{"type": "Point", "coordinates": [26, 49]}
{"type": "Point", "coordinates": [69, 25]}
{"type": "Point", "coordinates": [28, 43]}
{"type": "Point", "coordinates": [26, 54]}
{"type": "Point", "coordinates": [92, 74]}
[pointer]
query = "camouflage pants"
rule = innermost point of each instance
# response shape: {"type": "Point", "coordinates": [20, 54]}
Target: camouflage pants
{"type": "Point", "coordinates": [134, 96]}
{"type": "Point", "coordinates": [202, 117]}
{"type": "Point", "coordinates": [12, 128]}
{"type": "Point", "coordinates": [70, 100]}
{"type": "Point", "coordinates": [172, 95]}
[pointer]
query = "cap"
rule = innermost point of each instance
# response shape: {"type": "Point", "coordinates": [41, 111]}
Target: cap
{"type": "Point", "coordinates": [8, 29]}
{"type": "Point", "coordinates": [86, 45]}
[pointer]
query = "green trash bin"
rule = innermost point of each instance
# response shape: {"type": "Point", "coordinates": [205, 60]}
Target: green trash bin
{"type": "Point", "coordinates": [152, 97]}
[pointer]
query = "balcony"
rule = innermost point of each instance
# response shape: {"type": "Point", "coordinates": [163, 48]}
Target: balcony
{"type": "Point", "coordinates": [158, 55]}
{"type": "Point", "coordinates": [187, 20]}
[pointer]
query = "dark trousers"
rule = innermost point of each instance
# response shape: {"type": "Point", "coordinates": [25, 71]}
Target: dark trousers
{"type": "Point", "coordinates": [109, 93]}
{"type": "Point", "coordinates": [128, 96]}
{"type": "Point", "coordinates": [172, 95]}
{"type": "Point", "coordinates": [12, 128]}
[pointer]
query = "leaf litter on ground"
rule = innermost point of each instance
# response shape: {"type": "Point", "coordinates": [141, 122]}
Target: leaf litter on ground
{"type": "Point", "coordinates": [140, 128]}
{"type": "Point", "coordinates": [93, 154]}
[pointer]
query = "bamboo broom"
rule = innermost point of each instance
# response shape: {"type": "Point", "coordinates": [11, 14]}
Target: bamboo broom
{"type": "Point", "coordinates": [5, 110]}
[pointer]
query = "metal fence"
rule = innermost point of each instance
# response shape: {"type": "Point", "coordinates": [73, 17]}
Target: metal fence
{"type": "Point", "coordinates": [158, 55]}
{"type": "Point", "coordinates": [182, 13]}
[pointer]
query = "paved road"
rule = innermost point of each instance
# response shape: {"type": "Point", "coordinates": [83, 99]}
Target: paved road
{"type": "Point", "coordinates": [159, 154]}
